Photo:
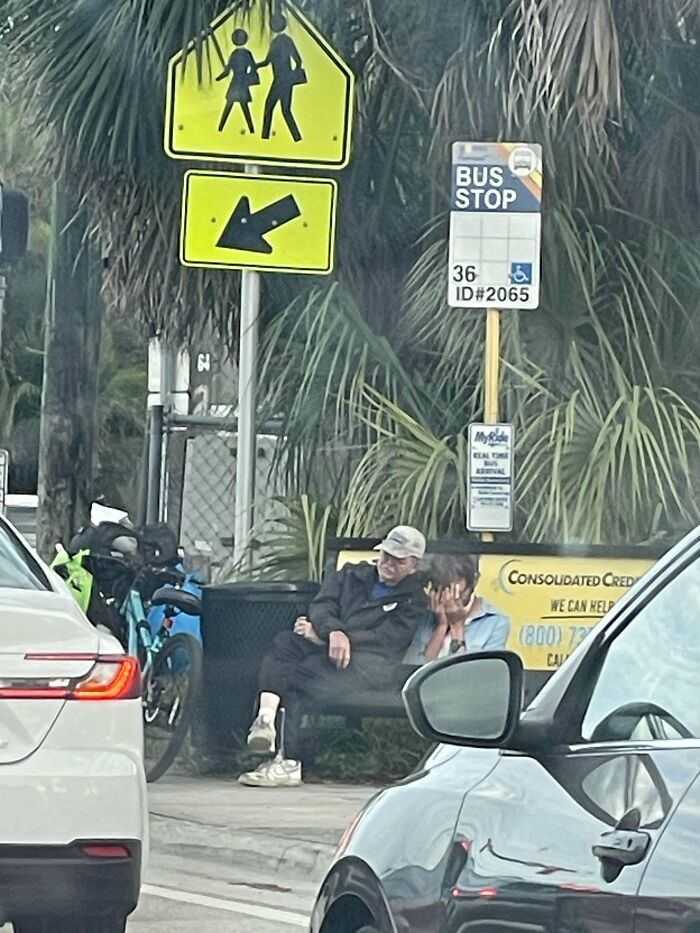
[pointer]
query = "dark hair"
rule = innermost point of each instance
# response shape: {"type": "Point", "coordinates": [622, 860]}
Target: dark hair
{"type": "Point", "coordinates": [278, 23]}
{"type": "Point", "coordinates": [240, 37]}
{"type": "Point", "coordinates": [445, 569]}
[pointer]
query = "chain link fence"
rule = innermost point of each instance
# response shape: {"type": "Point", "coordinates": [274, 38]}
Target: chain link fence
{"type": "Point", "coordinates": [198, 490]}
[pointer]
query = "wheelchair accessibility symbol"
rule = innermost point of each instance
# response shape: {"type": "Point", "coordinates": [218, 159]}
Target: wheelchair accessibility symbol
{"type": "Point", "coordinates": [521, 273]}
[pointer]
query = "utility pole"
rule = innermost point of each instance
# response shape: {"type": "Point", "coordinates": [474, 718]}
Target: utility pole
{"type": "Point", "coordinates": [73, 325]}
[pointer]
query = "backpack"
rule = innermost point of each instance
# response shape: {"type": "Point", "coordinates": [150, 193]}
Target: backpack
{"type": "Point", "coordinates": [106, 539]}
{"type": "Point", "coordinates": [159, 545]}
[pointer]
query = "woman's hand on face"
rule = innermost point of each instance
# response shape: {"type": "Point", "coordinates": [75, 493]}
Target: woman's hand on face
{"type": "Point", "coordinates": [455, 611]}
{"type": "Point", "coordinates": [437, 607]}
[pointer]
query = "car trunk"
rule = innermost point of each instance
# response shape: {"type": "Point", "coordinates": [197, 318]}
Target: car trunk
{"type": "Point", "coordinates": [37, 623]}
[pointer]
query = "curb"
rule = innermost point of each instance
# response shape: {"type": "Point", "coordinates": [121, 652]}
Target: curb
{"type": "Point", "coordinates": [264, 850]}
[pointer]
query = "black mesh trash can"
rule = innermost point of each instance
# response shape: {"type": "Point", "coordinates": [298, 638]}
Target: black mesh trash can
{"type": "Point", "coordinates": [239, 621]}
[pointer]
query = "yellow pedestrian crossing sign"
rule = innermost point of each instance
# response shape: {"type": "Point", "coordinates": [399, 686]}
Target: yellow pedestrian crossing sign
{"type": "Point", "coordinates": [271, 223]}
{"type": "Point", "coordinates": [267, 90]}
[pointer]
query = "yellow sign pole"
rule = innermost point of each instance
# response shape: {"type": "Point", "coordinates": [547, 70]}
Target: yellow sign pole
{"type": "Point", "coordinates": [491, 375]}
{"type": "Point", "coordinates": [493, 347]}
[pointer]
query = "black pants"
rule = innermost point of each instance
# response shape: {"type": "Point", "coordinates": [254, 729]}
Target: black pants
{"type": "Point", "coordinates": [300, 672]}
{"type": "Point", "coordinates": [294, 665]}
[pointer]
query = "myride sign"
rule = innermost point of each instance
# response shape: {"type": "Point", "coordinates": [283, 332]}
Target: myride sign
{"type": "Point", "coordinates": [495, 225]}
{"type": "Point", "coordinates": [490, 488]}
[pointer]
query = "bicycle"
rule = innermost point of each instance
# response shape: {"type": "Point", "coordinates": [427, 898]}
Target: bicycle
{"type": "Point", "coordinates": [171, 665]}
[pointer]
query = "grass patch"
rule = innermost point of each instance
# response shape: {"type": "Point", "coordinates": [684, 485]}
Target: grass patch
{"type": "Point", "coordinates": [382, 750]}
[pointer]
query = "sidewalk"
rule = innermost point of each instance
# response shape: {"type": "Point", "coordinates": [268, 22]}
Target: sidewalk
{"type": "Point", "coordinates": [292, 830]}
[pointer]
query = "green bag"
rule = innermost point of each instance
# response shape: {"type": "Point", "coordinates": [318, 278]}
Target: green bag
{"type": "Point", "coordinates": [80, 581]}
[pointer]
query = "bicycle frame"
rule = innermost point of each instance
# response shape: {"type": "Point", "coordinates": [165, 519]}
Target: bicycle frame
{"type": "Point", "coordinates": [139, 633]}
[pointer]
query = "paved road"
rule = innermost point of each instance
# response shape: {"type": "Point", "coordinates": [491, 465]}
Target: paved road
{"type": "Point", "coordinates": [230, 859]}
{"type": "Point", "coordinates": [186, 892]}
{"type": "Point", "coordinates": [222, 909]}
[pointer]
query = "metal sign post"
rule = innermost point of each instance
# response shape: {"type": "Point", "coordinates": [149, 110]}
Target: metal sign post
{"type": "Point", "coordinates": [247, 391]}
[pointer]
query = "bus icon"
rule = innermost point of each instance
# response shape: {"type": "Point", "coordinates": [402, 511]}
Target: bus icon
{"type": "Point", "coordinates": [522, 161]}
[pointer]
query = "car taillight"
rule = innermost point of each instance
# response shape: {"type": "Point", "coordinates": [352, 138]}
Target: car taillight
{"type": "Point", "coordinates": [111, 677]}
{"type": "Point", "coordinates": [105, 851]}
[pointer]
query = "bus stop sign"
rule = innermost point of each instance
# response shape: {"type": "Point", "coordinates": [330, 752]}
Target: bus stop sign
{"type": "Point", "coordinates": [495, 225]}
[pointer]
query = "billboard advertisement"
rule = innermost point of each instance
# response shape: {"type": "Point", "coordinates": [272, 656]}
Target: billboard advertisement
{"type": "Point", "coordinates": [551, 600]}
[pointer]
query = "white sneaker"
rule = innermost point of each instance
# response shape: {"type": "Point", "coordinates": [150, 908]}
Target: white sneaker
{"type": "Point", "coordinates": [280, 772]}
{"type": "Point", "coordinates": [262, 737]}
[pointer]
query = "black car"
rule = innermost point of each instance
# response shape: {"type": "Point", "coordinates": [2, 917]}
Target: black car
{"type": "Point", "coordinates": [580, 814]}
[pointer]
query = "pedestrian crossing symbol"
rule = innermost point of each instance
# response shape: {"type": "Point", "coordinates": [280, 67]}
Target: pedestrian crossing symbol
{"type": "Point", "coordinates": [263, 89]}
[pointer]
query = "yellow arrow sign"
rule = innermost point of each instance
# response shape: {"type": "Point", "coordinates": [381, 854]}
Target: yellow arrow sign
{"type": "Point", "coordinates": [265, 222]}
{"type": "Point", "coordinates": [271, 91]}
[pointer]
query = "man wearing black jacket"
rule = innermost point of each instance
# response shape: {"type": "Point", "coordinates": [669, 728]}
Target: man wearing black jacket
{"type": "Point", "coordinates": [358, 630]}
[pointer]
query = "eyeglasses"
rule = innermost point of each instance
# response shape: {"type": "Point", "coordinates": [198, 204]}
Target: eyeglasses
{"type": "Point", "coordinates": [386, 558]}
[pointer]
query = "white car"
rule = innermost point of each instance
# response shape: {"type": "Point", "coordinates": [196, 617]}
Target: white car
{"type": "Point", "coordinates": [73, 807]}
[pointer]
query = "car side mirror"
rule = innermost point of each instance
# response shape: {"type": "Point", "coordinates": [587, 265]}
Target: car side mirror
{"type": "Point", "coordinates": [467, 699]}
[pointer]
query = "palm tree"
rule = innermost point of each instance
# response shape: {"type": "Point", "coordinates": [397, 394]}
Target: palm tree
{"type": "Point", "coordinates": [602, 382]}
{"type": "Point", "coordinates": [94, 76]}
{"type": "Point", "coordinates": [375, 377]}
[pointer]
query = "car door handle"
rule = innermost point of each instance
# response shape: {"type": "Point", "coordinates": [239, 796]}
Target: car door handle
{"type": "Point", "coordinates": [622, 846]}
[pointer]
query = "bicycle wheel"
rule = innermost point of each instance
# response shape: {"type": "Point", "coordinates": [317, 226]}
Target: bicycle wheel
{"type": "Point", "coordinates": [169, 701]}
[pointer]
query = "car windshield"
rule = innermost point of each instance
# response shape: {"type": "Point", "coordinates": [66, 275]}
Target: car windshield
{"type": "Point", "coordinates": [18, 569]}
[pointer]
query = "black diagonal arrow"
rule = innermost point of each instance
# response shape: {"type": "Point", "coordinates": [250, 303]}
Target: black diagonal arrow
{"type": "Point", "coordinates": [246, 230]}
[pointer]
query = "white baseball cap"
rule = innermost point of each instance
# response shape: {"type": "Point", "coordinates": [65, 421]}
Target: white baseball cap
{"type": "Point", "coordinates": [403, 541]}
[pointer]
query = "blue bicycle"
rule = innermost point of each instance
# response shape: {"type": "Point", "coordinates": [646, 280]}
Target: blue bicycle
{"type": "Point", "coordinates": [171, 664]}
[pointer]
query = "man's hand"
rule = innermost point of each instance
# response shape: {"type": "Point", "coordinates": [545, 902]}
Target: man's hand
{"type": "Point", "coordinates": [305, 628]}
{"type": "Point", "coordinates": [339, 649]}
